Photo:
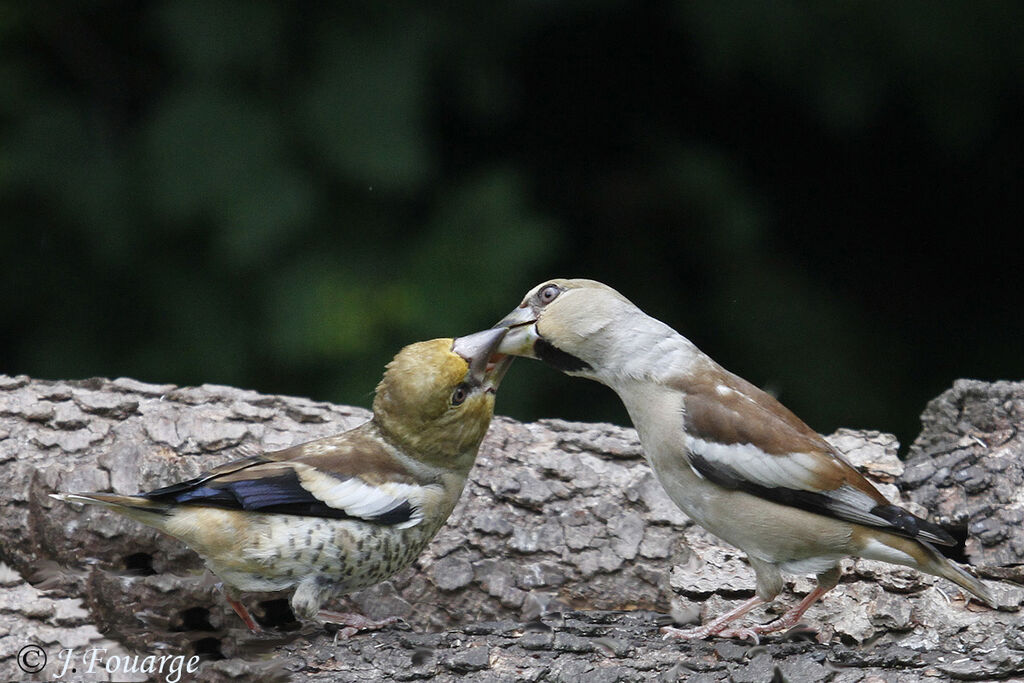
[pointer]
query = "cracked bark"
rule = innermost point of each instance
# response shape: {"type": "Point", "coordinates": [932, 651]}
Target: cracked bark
{"type": "Point", "coordinates": [560, 563]}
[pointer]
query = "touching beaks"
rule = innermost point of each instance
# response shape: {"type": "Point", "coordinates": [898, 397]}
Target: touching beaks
{"type": "Point", "coordinates": [522, 332]}
{"type": "Point", "coordinates": [487, 366]}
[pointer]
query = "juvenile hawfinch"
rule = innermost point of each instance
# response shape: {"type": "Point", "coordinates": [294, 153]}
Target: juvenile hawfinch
{"type": "Point", "coordinates": [732, 457]}
{"type": "Point", "coordinates": [345, 512]}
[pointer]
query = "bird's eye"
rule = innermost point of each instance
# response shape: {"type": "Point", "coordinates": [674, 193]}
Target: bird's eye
{"type": "Point", "coordinates": [549, 293]}
{"type": "Point", "coordinates": [459, 395]}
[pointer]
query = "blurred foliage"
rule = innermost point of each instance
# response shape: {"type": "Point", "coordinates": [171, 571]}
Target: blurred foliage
{"type": "Point", "coordinates": [824, 196]}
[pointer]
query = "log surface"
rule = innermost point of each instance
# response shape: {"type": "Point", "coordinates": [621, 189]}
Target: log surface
{"type": "Point", "coordinates": [561, 561]}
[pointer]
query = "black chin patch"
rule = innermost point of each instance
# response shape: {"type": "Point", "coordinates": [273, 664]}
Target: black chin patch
{"type": "Point", "coordinates": [557, 358]}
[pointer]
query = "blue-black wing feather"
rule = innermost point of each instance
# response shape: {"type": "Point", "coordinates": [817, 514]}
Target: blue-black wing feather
{"type": "Point", "coordinates": [281, 493]}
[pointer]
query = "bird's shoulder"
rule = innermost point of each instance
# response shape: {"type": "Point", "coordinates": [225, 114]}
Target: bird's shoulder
{"type": "Point", "coordinates": [738, 431]}
{"type": "Point", "coordinates": [361, 452]}
{"type": "Point", "coordinates": [726, 408]}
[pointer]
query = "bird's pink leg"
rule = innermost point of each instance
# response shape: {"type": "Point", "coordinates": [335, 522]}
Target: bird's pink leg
{"type": "Point", "coordinates": [242, 612]}
{"type": "Point", "coordinates": [354, 623]}
{"type": "Point", "coordinates": [717, 626]}
{"type": "Point", "coordinates": [792, 617]}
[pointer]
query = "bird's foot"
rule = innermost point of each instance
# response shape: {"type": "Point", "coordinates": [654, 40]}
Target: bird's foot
{"type": "Point", "coordinates": [719, 626]}
{"type": "Point", "coordinates": [354, 623]}
{"type": "Point", "coordinates": [787, 622]}
{"type": "Point", "coordinates": [702, 632]}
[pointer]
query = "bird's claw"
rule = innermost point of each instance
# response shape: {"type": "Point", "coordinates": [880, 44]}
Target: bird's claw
{"type": "Point", "coordinates": [702, 632]}
{"type": "Point", "coordinates": [741, 634]}
{"type": "Point", "coordinates": [344, 634]}
{"type": "Point", "coordinates": [354, 623]}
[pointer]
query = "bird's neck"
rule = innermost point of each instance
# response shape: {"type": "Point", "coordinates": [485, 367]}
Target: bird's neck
{"type": "Point", "coordinates": [646, 351]}
{"type": "Point", "coordinates": [423, 458]}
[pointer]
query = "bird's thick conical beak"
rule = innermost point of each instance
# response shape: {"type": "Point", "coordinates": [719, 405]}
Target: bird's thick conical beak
{"type": "Point", "coordinates": [521, 324]}
{"type": "Point", "coordinates": [480, 350]}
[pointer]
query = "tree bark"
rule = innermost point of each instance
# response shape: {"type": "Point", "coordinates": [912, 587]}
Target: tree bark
{"type": "Point", "coordinates": [561, 561]}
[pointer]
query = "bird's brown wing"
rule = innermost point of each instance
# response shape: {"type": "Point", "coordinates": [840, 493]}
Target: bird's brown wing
{"type": "Point", "coordinates": [352, 475]}
{"type": "Point", "coordinates": [740, 437]}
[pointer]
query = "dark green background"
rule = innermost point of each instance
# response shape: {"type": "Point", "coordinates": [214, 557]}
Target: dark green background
{"type": "Point", "coordinates": [826, 197]}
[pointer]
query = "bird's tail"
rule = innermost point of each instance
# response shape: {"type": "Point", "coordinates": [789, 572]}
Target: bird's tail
{"type": "Point", "coordinates": [136, 507]}
{"type": "Point", "coordinates": [947, 569]}
{"type": "Point", "coordinates": [922, 555]}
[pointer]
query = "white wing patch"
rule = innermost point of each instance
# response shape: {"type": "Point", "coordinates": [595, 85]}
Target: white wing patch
{"type": "Point", "coordinates": [723, 390]}
{"type": "Point", "coordinates": [795, 470]}
{"type": "Point", "coordinates": [792, 471]}
{"type": "Point", "coordinates": [359, 499]}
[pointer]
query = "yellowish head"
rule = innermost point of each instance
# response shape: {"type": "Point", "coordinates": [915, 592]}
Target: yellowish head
{"type": "Point", "coordinates": [437, 397]}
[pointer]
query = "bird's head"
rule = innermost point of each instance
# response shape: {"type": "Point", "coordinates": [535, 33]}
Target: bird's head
{"type": "Point", "coordinates": [572, 325]}
{"type": "Point", "coordinates": [437, 397]}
